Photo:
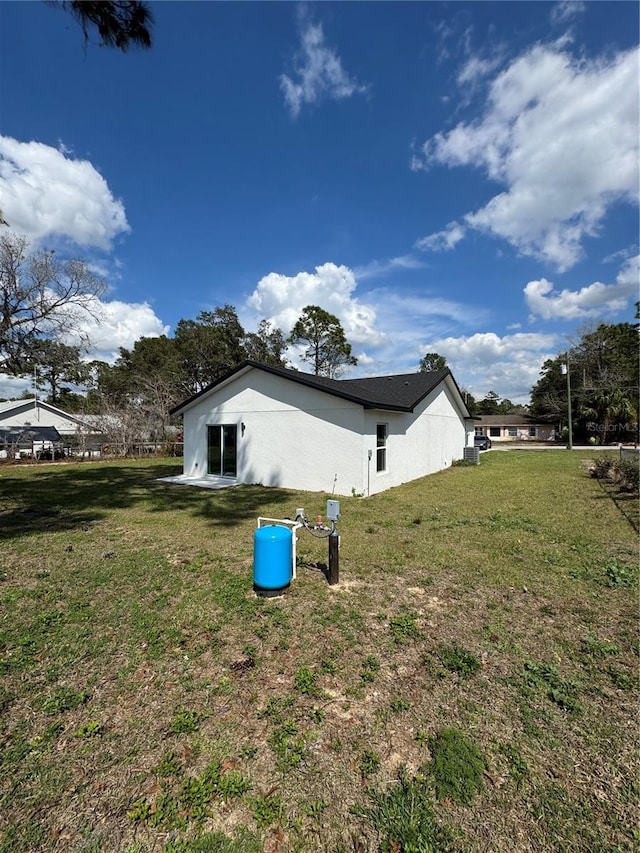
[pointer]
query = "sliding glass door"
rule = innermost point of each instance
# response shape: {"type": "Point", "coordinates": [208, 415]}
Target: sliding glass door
{"type": "Point", "coordinates": [222, 452]}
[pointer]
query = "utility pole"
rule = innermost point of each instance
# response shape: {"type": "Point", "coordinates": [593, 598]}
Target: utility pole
{"type": "Point", "coordinates": [565, 369]}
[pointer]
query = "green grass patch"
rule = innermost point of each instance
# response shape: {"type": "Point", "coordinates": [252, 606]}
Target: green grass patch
{"type": "Point", "coordinates": [455, 658]}
{"type": "Point", "coordinates": [546, 678]}
{"type": "Point", "coordinates": [404, 628]}
{"type": "Point", "coordinates": [457, 767]}
{"type": "Point", "coordinates": [185, 721]}
{"type": "Point", "coordinates": [404, 817]}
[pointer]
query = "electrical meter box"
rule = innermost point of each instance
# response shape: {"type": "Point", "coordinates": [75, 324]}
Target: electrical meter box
{"type": "Point", "coordinates": [333, 510]}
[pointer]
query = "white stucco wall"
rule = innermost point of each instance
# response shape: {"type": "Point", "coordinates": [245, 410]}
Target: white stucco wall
{"type": "Point", "coordinates": [419, 443]}
{"type": "Point", "coordinates": [294, 437]}
{"type": "Point", "coordinates": [300, 438]}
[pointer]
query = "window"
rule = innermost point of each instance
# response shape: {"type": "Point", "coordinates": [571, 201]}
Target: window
{"type": "Point", "coordinates": [479, 430]}
{"type": "Point", "coordinates": [381, 447]}
{"type": "Point", "coordinates": [494, 432]}
{"type": "Point", "coordinates": [222, 450]}
{"type": "Point", "coordinates": [513, 432]}
{"type": "Point", "coordinates": [533, 432]}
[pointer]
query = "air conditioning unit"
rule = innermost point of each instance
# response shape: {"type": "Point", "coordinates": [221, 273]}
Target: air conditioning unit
{"type": "Point", "coordinates": [472, 454]}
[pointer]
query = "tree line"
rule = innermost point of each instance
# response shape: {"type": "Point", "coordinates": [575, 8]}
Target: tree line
{"type": "Point", "coordinates": [44, 300]}
{"type": "Point", "coordinates": [490, 404]}
{"type": "Point", "coordinates": [603, 387]}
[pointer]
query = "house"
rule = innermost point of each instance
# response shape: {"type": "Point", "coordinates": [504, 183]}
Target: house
{"type": "Point", "coordinates": [36, 413]}
{"type": "Point", "coordinates": [30, 441]}
{"type": "Point", "coordinates": [513, 428]}
{"type": "Point", "coordinates": [281, 427]}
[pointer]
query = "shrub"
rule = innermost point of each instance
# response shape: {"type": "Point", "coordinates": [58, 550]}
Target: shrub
{"type": "Point", "coordinates": [601, 467]}
{"type": "Point", "coordinates": [628, 473]}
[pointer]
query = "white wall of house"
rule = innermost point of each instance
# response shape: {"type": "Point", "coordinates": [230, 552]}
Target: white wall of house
{"type": "Point", "coordinates": [421, 442]}
{"type": "Point", "coordinates": [301, 438]}
{"type": "Point", "coordinates": [29, 413]}
{"type": "Point", "coordinates": [294, 436]}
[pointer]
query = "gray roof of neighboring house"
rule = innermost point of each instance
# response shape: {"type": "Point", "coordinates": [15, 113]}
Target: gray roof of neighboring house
{"type": "Point", "coordinates": [16, 434]}
{"type": "Point", "coordinates": [30, 402]}
{"type": "Point", "coordinates": [400, 392]}
{"type": "Point", "coordinates": [13, 404]}
{"type": "Point", "coordinates": [506, 420]}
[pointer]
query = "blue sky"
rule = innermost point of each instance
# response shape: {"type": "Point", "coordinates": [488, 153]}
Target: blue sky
{"type": "Point", "coordinates": [450, 177]}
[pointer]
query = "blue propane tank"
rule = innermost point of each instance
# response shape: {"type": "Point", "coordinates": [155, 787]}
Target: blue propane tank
{"type": "Point", "coordinates": [272, 556]}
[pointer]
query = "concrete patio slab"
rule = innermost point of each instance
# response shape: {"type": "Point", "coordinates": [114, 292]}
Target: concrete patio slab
{"type": "Point", "coordinates": [209, 482]}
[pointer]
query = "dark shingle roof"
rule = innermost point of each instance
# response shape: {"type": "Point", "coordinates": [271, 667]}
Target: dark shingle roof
{"type": "Point", "coordinates": [403, 391]}
{"type": "Point", "coordinates": [400, 393]}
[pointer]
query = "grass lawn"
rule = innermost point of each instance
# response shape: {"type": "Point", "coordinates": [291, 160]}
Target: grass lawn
{"type": "Point", "coordinates": [470, 685]}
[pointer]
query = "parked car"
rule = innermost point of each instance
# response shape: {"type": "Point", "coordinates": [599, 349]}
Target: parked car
{"type": "Point", "coordinates": [482, 441]}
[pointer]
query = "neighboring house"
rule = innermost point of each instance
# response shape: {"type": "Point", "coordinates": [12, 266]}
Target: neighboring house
{"type": "Point", "coordinates": [30, 441]}
{"type": "Point", "coordinates": [35, 413]}
{"type": "Point", "coordinates": [281, 427]}
{"type": "Point", "coordinates": [513, 428]}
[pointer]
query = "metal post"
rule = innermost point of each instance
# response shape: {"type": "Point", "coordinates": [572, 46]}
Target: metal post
{"type": "Point", "coordinates": [333, 571]}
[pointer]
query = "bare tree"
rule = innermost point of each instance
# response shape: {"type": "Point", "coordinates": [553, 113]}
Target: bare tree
{"type": "Point", "coordinates": [123, 428]}
{"type": "Point", "coordinates": [41, 297]}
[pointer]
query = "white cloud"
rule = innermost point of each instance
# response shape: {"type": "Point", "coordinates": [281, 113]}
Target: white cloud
{"type": "Point", "coordinates": [565, 10]}
{"type": "Point", "coordinates": [45, 193]}
{"type": "Point", "coordinates": [14, 387]}
{"type": "Point", "coordinates": [476, 68]}
{"type": "Point", "coordinates": [281, 299]}
{"type": "Point", "coordinates": [119, 324]}
{"type": "Point", "coordinates": [483, 362]}
{"type": "Point", "coordinates": [392, 330]}
{"type": "Point", "coordinates": [409, 320]}
{"type": "Point", "coordinates": [386, 331]}
{"type": "Point", "coordinates": [379, 269]}
{"type": "Point", "coordinates": [318, 73]}
{"type": "Point", "coordinates": [629, 275]}
{"type": "Point", "coordinates": [443, 241]}
{"type": "Point", "coordinates": [561, 136]}
{"type": "Point", "coordinates": [593, 300]}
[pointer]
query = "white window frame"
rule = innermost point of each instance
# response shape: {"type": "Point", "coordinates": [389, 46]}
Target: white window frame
{"type": "Point", "coordinates": [381, 448]}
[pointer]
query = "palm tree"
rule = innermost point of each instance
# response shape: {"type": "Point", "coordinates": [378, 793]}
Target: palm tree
{"type": "Point", "coordinates": [607, 406]}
